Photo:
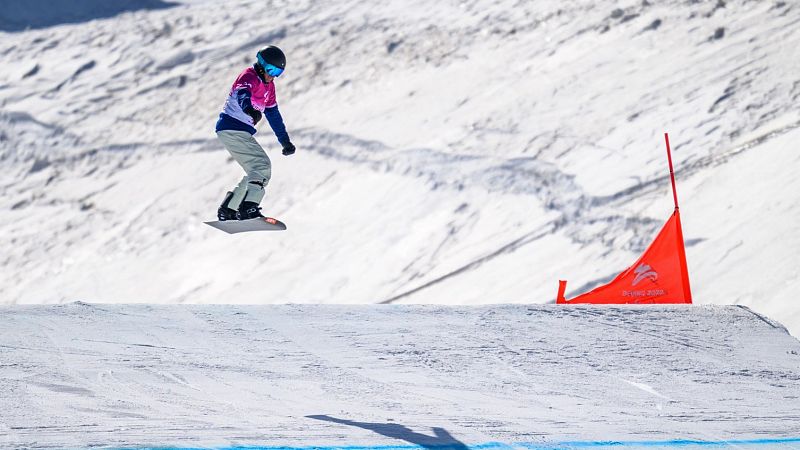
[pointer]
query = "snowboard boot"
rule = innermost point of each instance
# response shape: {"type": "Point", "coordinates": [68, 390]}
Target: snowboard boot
{"type": "Point", "coordinates": [225, 213]}
{"type": "Point", "coordinates": [249, 210]}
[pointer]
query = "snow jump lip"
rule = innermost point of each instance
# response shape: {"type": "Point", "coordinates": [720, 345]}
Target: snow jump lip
{"type": "Point", "coordinates": [772, 443]}
{"type": "Point", "coordinates": [399, 377]}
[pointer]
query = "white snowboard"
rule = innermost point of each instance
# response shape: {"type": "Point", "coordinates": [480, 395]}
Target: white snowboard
{"type": "Point", "coordinates": [240, 226]}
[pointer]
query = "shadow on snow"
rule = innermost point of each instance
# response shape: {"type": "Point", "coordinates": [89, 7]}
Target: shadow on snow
{"type": "Point", "coordinates": [20, 15]}
{"type": "Point", "coordinates": [441, 439]}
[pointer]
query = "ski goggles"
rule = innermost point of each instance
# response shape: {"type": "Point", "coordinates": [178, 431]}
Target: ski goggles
{"type": "Point", "coordinates": [273, 71]}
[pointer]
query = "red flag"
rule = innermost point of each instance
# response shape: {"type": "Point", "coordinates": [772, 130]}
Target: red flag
{"type": "Point", "coordinates": [659, 276]}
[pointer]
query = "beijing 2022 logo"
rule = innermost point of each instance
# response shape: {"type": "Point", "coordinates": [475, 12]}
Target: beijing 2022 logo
{"type": "Point", "coordinates": [644, 272]}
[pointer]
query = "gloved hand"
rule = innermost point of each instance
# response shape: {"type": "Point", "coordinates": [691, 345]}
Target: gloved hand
{"type": "Point", "coordinates": [288, 149]}
{"type": "Point", "coordinates": [254, 114]}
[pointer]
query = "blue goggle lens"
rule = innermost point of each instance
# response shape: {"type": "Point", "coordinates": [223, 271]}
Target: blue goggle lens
{"type": "Point", "coordinates": [271, 70]}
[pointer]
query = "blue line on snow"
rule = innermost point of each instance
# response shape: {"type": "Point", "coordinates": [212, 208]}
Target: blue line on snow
{"type": "Point", "coordinates": [784, 443]}
{"type": "Point", "coordinates": [675, 443]}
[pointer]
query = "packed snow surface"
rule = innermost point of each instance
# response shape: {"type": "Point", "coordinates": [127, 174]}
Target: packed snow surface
{"type": "Point", "coordinates": [81, 375]}
{"type": "Point", "coordinates": [452, 153]}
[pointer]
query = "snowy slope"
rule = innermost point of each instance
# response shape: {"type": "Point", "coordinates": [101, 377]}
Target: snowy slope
{"type": "Point", "coordinates": [80, 375]}
{"type": "Point", "coordinates": [467, 152]}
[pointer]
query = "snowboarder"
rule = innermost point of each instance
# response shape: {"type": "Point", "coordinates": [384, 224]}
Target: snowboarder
{"type": "Point", "coordinates": [252, 94]}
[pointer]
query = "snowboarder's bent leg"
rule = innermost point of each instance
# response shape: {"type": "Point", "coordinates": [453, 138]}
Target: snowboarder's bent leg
{"type": "Point", "coordinates": [254, 160]}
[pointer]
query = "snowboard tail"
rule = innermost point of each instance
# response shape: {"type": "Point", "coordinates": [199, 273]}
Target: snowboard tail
{"type": "Point", "coordinates": [241, 226]}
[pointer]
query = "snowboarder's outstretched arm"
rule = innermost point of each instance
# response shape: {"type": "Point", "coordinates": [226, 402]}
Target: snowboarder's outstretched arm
{"type": "Point", "coordinates": [275, 120]}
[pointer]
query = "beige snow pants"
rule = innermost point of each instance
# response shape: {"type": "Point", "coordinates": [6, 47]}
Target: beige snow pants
{"type": "Point", "coordinates": [254, 160]}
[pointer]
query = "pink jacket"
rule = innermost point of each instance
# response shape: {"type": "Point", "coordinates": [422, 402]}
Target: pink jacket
{"type": "Point", "coordinates": [262, 95]}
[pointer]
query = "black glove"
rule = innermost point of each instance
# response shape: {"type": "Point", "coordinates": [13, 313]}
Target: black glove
{"type": "Point", "coordinates": [254, 113]}
{"type": "Point", "coordinates": [288, 149]}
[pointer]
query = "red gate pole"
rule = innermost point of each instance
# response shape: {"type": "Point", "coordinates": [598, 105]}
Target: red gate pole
{"type": "Point", "coordinates": [671, 172]}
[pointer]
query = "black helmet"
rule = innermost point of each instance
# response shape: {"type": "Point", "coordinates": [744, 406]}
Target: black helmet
{"type": "Point", "coordinates": [271, 55]}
